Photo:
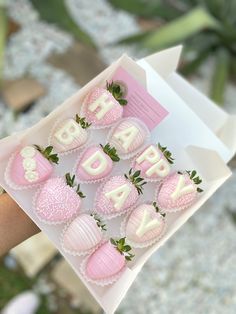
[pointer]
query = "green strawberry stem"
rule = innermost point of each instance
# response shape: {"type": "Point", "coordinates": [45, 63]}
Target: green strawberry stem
{"type": "Point", "coordinates": [136, 180]}
{"type": "Point", "coordinates": [99, 222]}
{"type": "Point", "coordinates": [158, 209]}
{"type": "Point", "coordinates": [82, 122]}
{"type": "Point", "coordinates": [123, 248]}
{"type": "Point", "coordinates": [117, 93]}
{"type": "Point", "coordinates": [166, 153]}
{"type": "Point", "coordinates": [111, 152]}
{"type": "Point", "coordinates": [194, 177]}
{"type": "Point", "coordinates": [70, 180]}
{"type": "Point", "coordinates": [47, 153]}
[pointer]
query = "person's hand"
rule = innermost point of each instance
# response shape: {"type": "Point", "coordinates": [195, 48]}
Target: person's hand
{"type": "Point", "coordinates": [15, 225]}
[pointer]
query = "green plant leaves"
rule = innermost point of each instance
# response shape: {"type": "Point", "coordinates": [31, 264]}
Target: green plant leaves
{"type": "Point", "coordinates": [220, 76]}
{"type": "Point", "coordinates": [148, 9]}
{"type": "Point", "coordinates": [3, 30]}
{"type": "Point", "coordinates": [180, 29]}
{"type": "Point", "coordinates": [55, 11]}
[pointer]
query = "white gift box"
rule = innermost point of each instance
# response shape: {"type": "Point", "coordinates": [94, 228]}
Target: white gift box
{"type": "Point", "coordinates": [200, 135]}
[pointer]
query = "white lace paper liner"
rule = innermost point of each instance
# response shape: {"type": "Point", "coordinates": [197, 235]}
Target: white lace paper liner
{"type": "Point", "coordinates": [111, 215]}
{"type": "Point", "coordinates": [34, 206]}
{"type": "Point", "coordinates": [93, 126]}
{"type": "Point", "coordinates": [65, 153]}
{"type": "Point", "coordinates": [140, 148]}
{"type": "Point", "coordinates": [166, 210]}
{"type": "Point", "coordinates": [143, 244]}
{"type": "Point", "coordinates": [82, 253]}
{"type": "Point", "coordinates": [14, 185]}
{"type": "Point", "coordinates": [153, 180]}
{"type": "Point", "coordinates": [90, 181]}
{"type": "Point", "coordinates": [102, 282]}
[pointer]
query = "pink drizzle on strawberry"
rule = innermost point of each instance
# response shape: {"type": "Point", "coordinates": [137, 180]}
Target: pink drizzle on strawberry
{"type": "Point", "coordinates": [82, 234]}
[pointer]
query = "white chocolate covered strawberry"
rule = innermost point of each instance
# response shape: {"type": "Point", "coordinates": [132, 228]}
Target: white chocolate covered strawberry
{"type": "Point", "coordinates": [119, 194]}
{"type": "Point", "coordinates": [153, 162]}
{"type": "Point", "coordinates": [144, 226]}
{"type": "Point", "coordinates": [69, 134]}
{"type": "Point", "coordinates": [83, 234]}
{"type": "Point", "coordinates": [96, 163]}
{"type": "Point", "coordinates": [30, 165]}
{"type": "Point", "coordinates": [128, 137]}
{"type": "Point", "coordinates": [178, 191]}
{"type": "Point", "coordinates": [102, 107]}
{"type": "Point", "coordinates": [107, 263]}
{"type": "Point", "coordinates": [58, 200]}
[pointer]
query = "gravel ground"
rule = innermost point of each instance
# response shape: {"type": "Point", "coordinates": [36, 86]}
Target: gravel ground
{"type": "Point", "coordinates": [195, 272]}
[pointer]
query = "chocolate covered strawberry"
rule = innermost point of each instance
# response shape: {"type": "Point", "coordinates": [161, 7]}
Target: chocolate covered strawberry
{"type": "Point", "coordinates": [83, 234]}
{"type": "Point", "coordinates": [69, 134]}
{"type": "Point", "coordinates": [145, 225]}
{"type": "Point", "coordinates": [96, 163]}
{"type": "Point", "coordinates": [108, 262]}
{"type": "Point", "coordinates": [58, 200]}
{"type": "Point", "coordinates": [102, 107]}
{"type": "Point", "coordinates": [178, 191]}
{"type": "Point", "coordinates": [154, 162]}
{"type": "Point", "coordinates": [30, 165]}
{"type": "Point", "coordinates": [128, 137]}
{"type": "Point", "coordinates": [119, 194]}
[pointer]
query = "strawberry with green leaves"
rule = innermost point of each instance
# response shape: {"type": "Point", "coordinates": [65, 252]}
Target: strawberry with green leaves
{"type": "Point", "coordinates": [108, 262]}
{"type": "Point", "coordinates": [119, 194]}
{"type": "Point", "coordinates": [178, 191]}
{"type": "Point", "coordinates": [83, 234]}
{"type": "Point", "coordinates": [69, 134]}
{"type": "Point", "coordinates": [145, 225]}
{"type": "Point", "coordinates": [104, 106]}
{"type": "Point", "coordinates": [58, 200]}
{"type": "Point", "coordinates": [30, 165]}
{"type": "Point", "coordinates": [154, 162]}
{"type": "Point", "coordinates": [96, 163]}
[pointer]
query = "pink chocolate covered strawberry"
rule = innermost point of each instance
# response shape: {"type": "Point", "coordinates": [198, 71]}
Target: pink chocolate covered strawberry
{"type": "Point", "coordinates": [83, 234]}
{"type": "Point", "coordinates": [96, 163]}
{"type": "Point", "coordinates": [153, 162]}
{"type": "Point", "coordinates": [107, 263]}
{"type": "Point", "coordinates": [145, 225]}
{"type": "Point", "coordinates": [69, 134]}
{"type": "Point", "coordinates": [30, 165]}
{"type": "Point", "coordinates": [102, 107]}
{"type": "Point", "coordinates": [58, 200]}
{"type": "Point", "coordinates": [119, 194]}
{"type": "Point", "coordinates": [178, 191]}
{"type": "Point", "coordinates": [128, 137]}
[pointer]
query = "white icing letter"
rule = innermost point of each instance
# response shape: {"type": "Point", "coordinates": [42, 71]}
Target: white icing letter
{"type": "Point", "coordinates": [147, 224]}
{"type": "Point", "coordinates": [150, 154]}
{"type": "Point", "coordinates": [28, 152]}
{"type": "Point", "coordinates": [104, 105]}
{"type": "Point", "coordinates": [126, 136]}
{"type": "Point", "coordinates": [181, 188]}
{"type": "Point", "coordinates": [161, 168]}
{"type": "Point", "coordinates": [101, 166]}
{"type": "Point", "coordinates": [66, 134]}
{"type": "Point", "coordinates": [119, 195]}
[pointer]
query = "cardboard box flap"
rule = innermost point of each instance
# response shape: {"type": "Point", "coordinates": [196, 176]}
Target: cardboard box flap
{"type": "Point", "coordinates": [220, 122]}
{"type": "Point", "coordinates": [165, 62]}
{"type": "Point", "coordinates": [228, 133]}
